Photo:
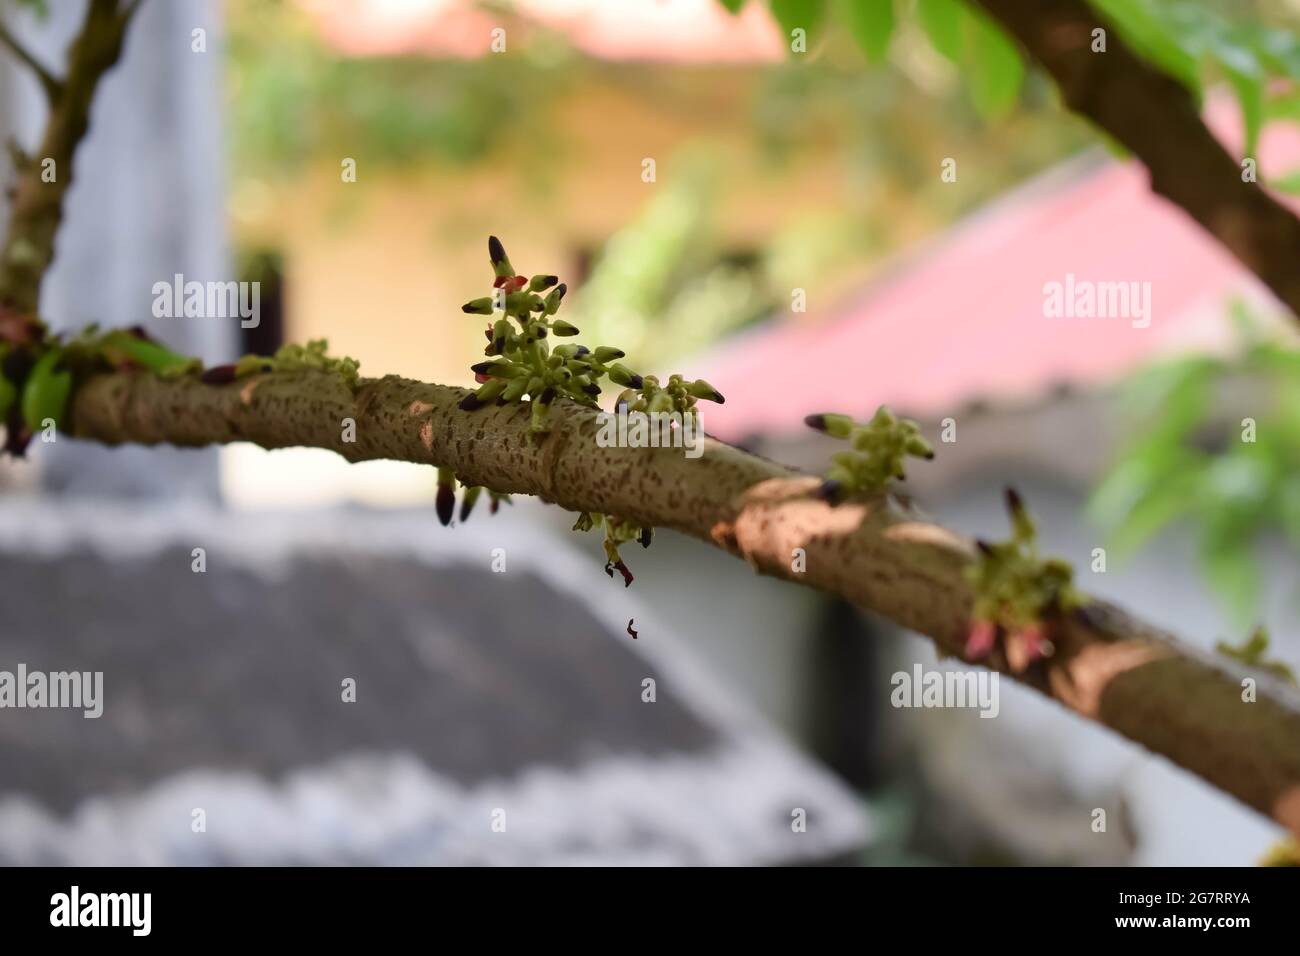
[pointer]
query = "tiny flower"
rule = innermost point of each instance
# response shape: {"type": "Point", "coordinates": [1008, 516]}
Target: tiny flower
{"type": "Point", "coordinates": [980, 639]}
{"type": "Point", "coordinates": [621, 568]}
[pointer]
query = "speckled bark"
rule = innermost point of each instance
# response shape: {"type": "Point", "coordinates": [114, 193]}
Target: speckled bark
{"type": "Point", "coordinates": [1108, 667]}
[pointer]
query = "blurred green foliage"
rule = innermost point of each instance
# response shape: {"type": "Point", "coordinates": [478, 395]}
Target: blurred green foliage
{"type": "Point", "coordinates": [293, 99]}
{"type": "Point", "coordinates": [1233, 480]}
{"type": "Point", "coordinates": [1244, 43]}
{"type": "Point", "coordinates": [663, 285]}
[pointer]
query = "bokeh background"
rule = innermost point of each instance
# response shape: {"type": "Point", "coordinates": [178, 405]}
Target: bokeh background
{"type": "Point", "coordinates": [780, 179]}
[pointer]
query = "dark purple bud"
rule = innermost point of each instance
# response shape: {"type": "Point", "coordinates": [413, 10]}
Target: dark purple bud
{"type": "Point", "coordinates": [496, 251]}
{"type": "Point", "coordinates": [829, 491]}
{"type": "Point", "coordinates": [1014, 502]}
{"type": "Point", "coordinates": [218, 375]}
{"type": "Point", "coordinates": [446, 504]}
{"type": "Point", "coordinates": [17, 434]}
{"type": "Point", "coordinates": [548, 395]}
{"type": "Point", "coordinates": [593, 389]}
{"type": "Point", "coordinates": [816, 422]}
{"type": "Point", "coordinates": [470, 403]}
{"type": "Point", "coordinates": [583, 350]}
{"type": "Point", "coordinates": [17, 364]}
{"type": "Point", "coordinates": [984, 547]}
{"type": "Point", "coordinates": [636, 382]}
{"type": "Point", "coordinates": [645, 537]}
{"type": "Point", "coordinates": [140, 333]}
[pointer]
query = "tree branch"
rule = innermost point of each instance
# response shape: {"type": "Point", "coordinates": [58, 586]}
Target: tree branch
{"type": "Point", "coordinates": [1157, 119]}
{"type": "Point", "coordinates": [49, 82]}
{"type": "Point", "coordinates": [1108, 667]}
{"type": "Point", "coordinates": [28, 247]}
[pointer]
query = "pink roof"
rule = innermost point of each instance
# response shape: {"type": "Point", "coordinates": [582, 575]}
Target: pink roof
{"type": "Point", "coordinates": [674, 31]}
{"type": "Point", "coordinates": [965, 319]}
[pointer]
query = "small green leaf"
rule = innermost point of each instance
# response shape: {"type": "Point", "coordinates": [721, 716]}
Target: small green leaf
{"type": "Point", "coordinates": [798, 14]}
{"type": "Point", "coordinates": [872, 24]}
{"type": "Point", "coordinates": [996, 71]}
{"type": "Point", "coordinates": [45, 394]}
{"type": "Point", "coordinates": [1250, 97]}
{"type": "Point", "coordinates": [733, 6]}
{"type": "Point", "coordinates": [942, 21]}
{"type": "Point", "coordinates": [1153, 39]}
{"type": "Point", "coordinates": [1290, 183]}
{"type": "Point", "coordinates": [1232, 572]}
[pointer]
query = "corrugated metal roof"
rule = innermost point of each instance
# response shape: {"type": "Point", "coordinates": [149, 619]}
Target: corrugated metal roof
{"type": "Point", "coordinates": [964, 318]}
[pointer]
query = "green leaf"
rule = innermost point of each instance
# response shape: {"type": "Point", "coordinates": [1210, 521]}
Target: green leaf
{"type": "Point", "coordinates": [942, 21]}
{"type": "Point", "coordinates": [1152, 39]}
{"type": "Point", "coordinates": [1144, 494]}
{"type": "Point", "coordinates": [1250, 97]}
{"type": "Point", "coordinates": [872, 24]}
{"type": "Point", "coordinates": [1231, 570]}
{"type": "Point", "coordinates": [798, 14]}
{"type": "Point", "coordinates": [996, 71]}
{"type": "Point", "coordinates": [1290, 183]}
{"type": "Point", "coordinates": [46, 391]}
{"type": "Point", "coordinates": [733, 6]}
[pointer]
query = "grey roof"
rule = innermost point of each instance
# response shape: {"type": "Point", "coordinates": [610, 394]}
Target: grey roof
{"type": "Point", "coordinates": [476, 691]}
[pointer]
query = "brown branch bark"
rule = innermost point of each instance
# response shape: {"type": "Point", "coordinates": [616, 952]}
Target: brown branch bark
{"type": "Point", "coordinates": [49, 83]}
{"type": "Point", "coordinates": [1108, 667]}
{"type": "Point", "coordinates": [1157, 119]}
{"type": "Point", "coordinates": [37, 208]}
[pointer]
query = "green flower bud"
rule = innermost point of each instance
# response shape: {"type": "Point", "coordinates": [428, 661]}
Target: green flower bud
{"type": "Point", "coordinates": [501, 334]}
{"type": "Point", "coordinates": [541, 283]}
{"type": "Point", "coordinates": [490, 391]}
{"type": "Point", "coordinates": [621, 375]}
{"type": "Point", "coordinates": [516, 389]}
{"type": "Point", "coordinates": [919, 448]}
{"type": "Point", "coordinates": [604, 354]}
{"type": "Point", "coordinates": [554, 298]}
{"type": "Point", "coordinates": [702, 389]}
{"type": "Point", "coordinates": [662, 402]}
{"type": "Point", "coordinates": [837, 426]}
{"type": "Point", "coordinates": [1021, 524]}
{"type": "Point", "coordinates": [560, 327]}
{"type": "Point", "coordinates": [481, 306]}
{"type": "Point", "coordinates": [497, 254]}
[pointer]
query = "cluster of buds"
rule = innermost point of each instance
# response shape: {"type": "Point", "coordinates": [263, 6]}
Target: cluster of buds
{"type": "Point", "coordinates": [1253, 652]}
{"type": "Point", "coordinates": [678, 395]}
{"type": "Point", "coordinates": [445, 502]}
{"type": "Point", "coordinates": [1017, 593]}
{"type": "Point", "coordinates": [880, 450]}
{"type": "Point", "coordinates": [617, 531]}
{"type": "Point", "coordinates": [314, 356]}
{"type": "Point", "coordinates": [522, 364]}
